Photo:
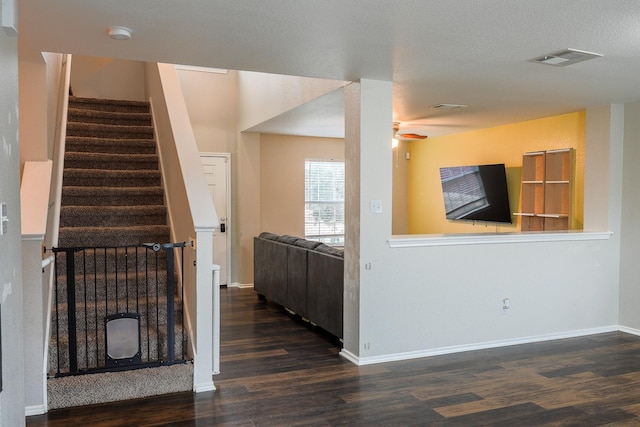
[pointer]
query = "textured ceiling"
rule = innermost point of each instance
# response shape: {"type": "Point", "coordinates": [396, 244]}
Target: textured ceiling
{"type": "Point", "coordinates": [472, 52]}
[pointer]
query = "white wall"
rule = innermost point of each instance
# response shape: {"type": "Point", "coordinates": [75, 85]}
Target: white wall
{"type": "Point", "coordinates": [109, 78]}
{"type": "Point", "coordinates": [12, 401]}
{"type": "Point", "coordinates": [419, 300]}
{"type": "Point", "coordinates": [211, 100]}
{"type": "Point", "coordinates": [260, 98]}
{"type": "Point", "coordinates": [33, 98]}
{"type": "Point", "coordinates": [246, 206]}
{"type": "Point", "coordinates": [282, 160]}
{"type": "Point", "coordinates": [264, 96]}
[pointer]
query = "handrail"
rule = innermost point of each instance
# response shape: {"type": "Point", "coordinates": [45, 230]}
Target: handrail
{"type": "Point", "coordinates": [53, 223]}
{"type": "Point", "coordinates": [47, 261]}
{"type": "Point", "coordinates": [191, 211]}
{"type": "Point", "coordinates": [58, 151]}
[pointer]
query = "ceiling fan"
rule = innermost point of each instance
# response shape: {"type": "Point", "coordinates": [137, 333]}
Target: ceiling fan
{"type": "Point", "coordinates": [416, 130]}
{"type": "Point", "coordinates": [408, 135]}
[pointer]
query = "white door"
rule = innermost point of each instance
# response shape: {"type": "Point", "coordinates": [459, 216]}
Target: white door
{"type": "Point", "coordinates": [217, 172]}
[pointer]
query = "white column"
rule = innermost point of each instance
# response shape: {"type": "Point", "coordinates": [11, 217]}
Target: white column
{"type": "Point", "coordinates": [203, 360]}
{"type": "Point", "coordinates": [368, 132]}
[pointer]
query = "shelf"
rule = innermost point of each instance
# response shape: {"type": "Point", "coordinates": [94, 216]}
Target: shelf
{"type": "Point", "coordinates": [546, 190]}
{"type": "Point", "coordinates": [542, 215]}
{"type": "Point", "coordinates": [533, 167]}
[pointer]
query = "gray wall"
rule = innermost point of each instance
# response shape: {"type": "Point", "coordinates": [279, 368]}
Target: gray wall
{"type": "Point", "coordinates": [12, 396]}
{"type": "Point", "coordinates": [630, 239]}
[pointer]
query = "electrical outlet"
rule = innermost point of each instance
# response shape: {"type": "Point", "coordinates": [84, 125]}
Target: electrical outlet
{"type": "Point", "coordinates": [506, 305]}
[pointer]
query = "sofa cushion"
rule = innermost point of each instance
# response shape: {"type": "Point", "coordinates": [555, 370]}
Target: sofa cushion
{"type": "Point", "coordinates": [326, 249]}
{"type": "Point", "coordinates": [268, 236]}
{"type": "Point", "coordinates": [307, 244]}
{"type": "Point", "coordinates": [290, 240]}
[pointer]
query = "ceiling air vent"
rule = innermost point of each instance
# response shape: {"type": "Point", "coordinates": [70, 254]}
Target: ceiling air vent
{"type": "Point", "coordinates": [448, 106]}
{"type": "Point", "coordinates": [565, 57]}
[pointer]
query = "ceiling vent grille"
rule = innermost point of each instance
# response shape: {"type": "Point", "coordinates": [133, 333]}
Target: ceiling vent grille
{"type": "Point", "coordinates": [565, 57]}
{"type": "Point", "coordinates": [448, 106]}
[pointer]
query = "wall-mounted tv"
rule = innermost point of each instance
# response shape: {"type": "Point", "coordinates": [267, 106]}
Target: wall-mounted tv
{"type": "Point", "coordinates": [476, 193]}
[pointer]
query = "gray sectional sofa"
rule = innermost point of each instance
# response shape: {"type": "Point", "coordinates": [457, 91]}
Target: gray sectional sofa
{"type": "Point", "coordinates": [304, 276]}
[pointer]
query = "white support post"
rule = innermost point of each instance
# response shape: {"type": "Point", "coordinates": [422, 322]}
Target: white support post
{"type": "Point", "coordinates": [203, 360]}
{"type": "Point", "coordinates": [216, 319]}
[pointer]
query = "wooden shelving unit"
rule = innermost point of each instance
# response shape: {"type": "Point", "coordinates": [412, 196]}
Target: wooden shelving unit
{"type": "Point", "coordinates": [546, 190]}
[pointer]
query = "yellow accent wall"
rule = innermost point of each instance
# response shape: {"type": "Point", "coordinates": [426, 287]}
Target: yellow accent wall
{"type": "Point", "coordinates": [503, 144]}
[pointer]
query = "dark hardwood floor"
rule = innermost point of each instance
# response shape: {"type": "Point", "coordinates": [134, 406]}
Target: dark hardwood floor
{"type": "Point", "coordinates": [276, 371]}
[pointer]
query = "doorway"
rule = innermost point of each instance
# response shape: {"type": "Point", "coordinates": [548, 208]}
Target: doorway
{"type": "Point", "coordinates": [217, 172]}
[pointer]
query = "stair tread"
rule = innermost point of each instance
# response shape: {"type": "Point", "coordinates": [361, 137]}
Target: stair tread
{"type": "Point", "coordinates": [89, 113]}
{"type": "Point", "coordinates": [80, 100]}
{"type": "Point", "coordinates": [130, 229]}
{"type": "Point", "coordinates": [71, 189]}
{"type": "Point", "coordinates": [113, 210]}
{"type": "Point", "coordinates": [93, 140]}
{"type": "Point", "coordinates": [129, 157]}
{"type": "Point", "coordinates": [111, 172]}
{"type": "Point", "coordinates": [102, 126]}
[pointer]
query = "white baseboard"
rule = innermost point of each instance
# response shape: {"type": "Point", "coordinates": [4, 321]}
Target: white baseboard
{"type": "Point", "coordinates": [350, 357]}
{"type": "Point", "coordinates": [240, 285]}
{"type": "Point", "coordinates": [34, 410]}
{"type": "Point", "coordinates": [629, 330]}
{"type": "Point", "coordinates": [208, 386]}
{"type": "Point", "coordinates": [361, 361]}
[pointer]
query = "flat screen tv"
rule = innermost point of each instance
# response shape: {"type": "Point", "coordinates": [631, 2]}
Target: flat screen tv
{"type": "Point", "coordinates": [476, 193]}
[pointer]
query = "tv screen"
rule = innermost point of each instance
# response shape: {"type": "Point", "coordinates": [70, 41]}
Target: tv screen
{"type": "Point", "coordinates": [476, 193]}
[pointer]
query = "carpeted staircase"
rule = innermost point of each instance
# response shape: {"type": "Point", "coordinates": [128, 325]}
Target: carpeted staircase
{"type": "Point", "coordinates": [112, 190]}
{"type": "Point", "coordinates": [112, 196]}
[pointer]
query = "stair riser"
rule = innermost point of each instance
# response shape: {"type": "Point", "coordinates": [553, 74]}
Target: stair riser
{"type": "Point", "coordinates": [110, 146]}
{"type": "Point", "coordinates": [108, 117]}
{"type": "Point", "coordinates": [106, 181]}
{"type": "Point", "coordinates": [73, 239]}
{"type": "Point", "coordinates": [106, 105]}
{"type": "Point", "coordinates": [120, 164]}
{"type": "Point", "coordinates": [107, 200]}
{"type": "Point", "coordinates": [114, 220]}
{"type": "Point", "coordinates": [108, 131]}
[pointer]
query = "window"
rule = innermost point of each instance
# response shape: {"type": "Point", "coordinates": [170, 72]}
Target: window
{"type": "Point", "coordinates": [324, 201]}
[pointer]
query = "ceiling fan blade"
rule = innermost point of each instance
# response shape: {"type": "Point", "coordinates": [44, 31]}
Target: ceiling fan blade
{"type": "Point", "coordinates": [411, 136]}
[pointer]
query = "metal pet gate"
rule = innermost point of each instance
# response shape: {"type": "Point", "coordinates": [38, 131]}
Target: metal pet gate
{"type": "Point", "coordinates": [117, 308]}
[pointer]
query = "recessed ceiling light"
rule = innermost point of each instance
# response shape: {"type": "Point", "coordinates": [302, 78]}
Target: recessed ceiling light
{"type": "Point", "coordinates": [119, 33]}
{"type": "Point", "coordinates": [565, 57]}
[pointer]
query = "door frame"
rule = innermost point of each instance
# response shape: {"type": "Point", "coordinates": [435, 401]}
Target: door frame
{"type": "Point", "coordinates": [229, 222]}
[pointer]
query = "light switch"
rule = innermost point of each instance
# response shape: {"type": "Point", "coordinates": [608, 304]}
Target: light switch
{"type": "Point", "coordinates": [3, 218]}
{"type": "Point", "coordinates": [376, 206]}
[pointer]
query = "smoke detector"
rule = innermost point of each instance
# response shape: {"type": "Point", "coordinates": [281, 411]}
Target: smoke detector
{"type": "Point", "coordinates": [119, 33]}
{"type": "Point", "coordinates": [565, 57]}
